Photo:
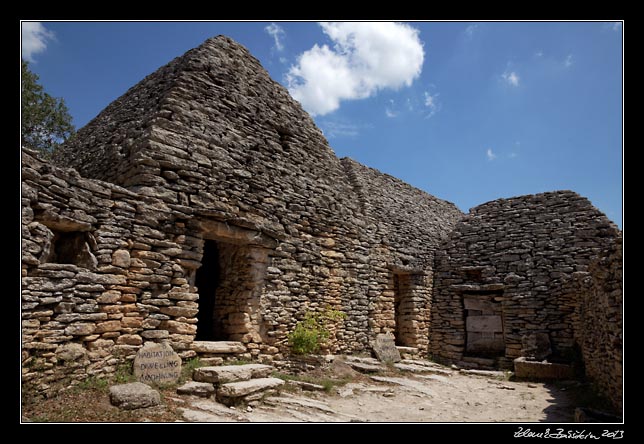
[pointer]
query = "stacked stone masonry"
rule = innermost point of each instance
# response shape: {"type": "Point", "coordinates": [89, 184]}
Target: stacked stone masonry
{"type": "Point", "coordinates": [205, 203]}
{"type": "Point", "coordinates": [522, 260]}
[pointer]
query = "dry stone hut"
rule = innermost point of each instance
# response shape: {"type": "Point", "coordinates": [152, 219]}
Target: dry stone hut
{"type": "Point", "coordinates": [205, 205]}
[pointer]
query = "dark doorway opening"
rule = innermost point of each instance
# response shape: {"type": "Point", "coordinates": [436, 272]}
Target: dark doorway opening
{"type": "Point", "coordinates": [403, 310]}
{"type": "Point", "coordinates": [207, 281]}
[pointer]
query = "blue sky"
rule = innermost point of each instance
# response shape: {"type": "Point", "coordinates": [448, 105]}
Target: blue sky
{"type": "Point", "coordinates": [467, 111]}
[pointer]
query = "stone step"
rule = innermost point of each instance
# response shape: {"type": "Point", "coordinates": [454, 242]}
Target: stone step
{"type": "Point", "coordinates": [486, 373]}
{"type": "Point", "coordinates": [235, 392]}
{"type": "Point", "coordinates": [203, 389]}
{"type": "Point", "coordinates": [217, 347]}
{"type": "Point", "coordinates": [407, 352]}
{"type": "Point", "coordinates": [364, 367]}
{"type": "Point", "coordinates": [362, 359]}
{"type": "Point", "coordinates": [231, 373]}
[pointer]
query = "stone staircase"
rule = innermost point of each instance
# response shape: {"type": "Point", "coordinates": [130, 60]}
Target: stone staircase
{"type": "Point", "coordinates": [217, 352]}
{"type": "Point", "coordinates": [230, 384]}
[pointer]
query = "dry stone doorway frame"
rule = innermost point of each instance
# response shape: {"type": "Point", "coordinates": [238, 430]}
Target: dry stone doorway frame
{"type": "Point", "coordinates": [243, 256]}
{"type": "Point", "coordinates": [408, 311]}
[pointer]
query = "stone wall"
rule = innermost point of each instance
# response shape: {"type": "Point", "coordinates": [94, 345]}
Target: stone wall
{"type": "Point", "coordinates": [89, 304]}
{"type": "Point", "coordinates": [518, 257]}
{"type": "Point", "coordinates": [223, 142]}
{"type": "Point", "coordinates": [410, 224]}
{"type": "Point", "coordinates": [598, 329]}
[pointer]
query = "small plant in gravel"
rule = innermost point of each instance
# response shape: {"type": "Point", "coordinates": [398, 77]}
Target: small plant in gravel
{"type": "Point", "coordinates": [124, 373]}
{"type": "Point", "coordinates": [93, 383]}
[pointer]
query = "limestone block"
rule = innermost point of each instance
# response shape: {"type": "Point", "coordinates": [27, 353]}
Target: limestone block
{"type": "Point", "coordinates": [134, 395]}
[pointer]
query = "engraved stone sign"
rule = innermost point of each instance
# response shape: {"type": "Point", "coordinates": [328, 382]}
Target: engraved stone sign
{"type": "Point", "coordinates": [157, 363]}
{"type": "Point", "coordinates": [385, 348]}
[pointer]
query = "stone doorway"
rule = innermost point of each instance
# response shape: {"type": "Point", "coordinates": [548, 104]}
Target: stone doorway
{"type": "Point", "coordinates": [483, 324]}
{"type": "Point", "coordinates": [230, 282]}
{"type": "Point", "coordinates": [403, 310]}
{"type": "Point", "coordinates": [207, 281]}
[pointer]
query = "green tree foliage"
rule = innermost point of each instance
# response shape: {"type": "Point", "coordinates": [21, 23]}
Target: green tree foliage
{"type": "Point", "coordinates": [46, 122]}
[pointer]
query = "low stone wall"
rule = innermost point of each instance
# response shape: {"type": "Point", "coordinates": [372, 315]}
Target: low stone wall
{"type": "Point", "coordinates": [102, 272]}
{"type": "Point", "coordinates": [599, 327]}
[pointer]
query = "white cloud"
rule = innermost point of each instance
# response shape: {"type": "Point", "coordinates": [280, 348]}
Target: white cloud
{"type": "Point", "coordinates": [490, 154]}
{"type": "Point", "coordinates": [568, 62]}
{"type": "Point", "coordinates": [34, 39]}
{"type": "Point", "coordinates": [278, 33]}
{"type": "Point", "coordinates": [471, 29]}
{"type": "Point", "coordinates": [431, 102]}
{"type": "Point", "coordinates": [617, 26]}
{"type": "Point", "coordinates": [365, 58]}
{"type": "Point", "coordinates": [539, 53]}
{"type": "Point", "coordinates": [512, 78]}
{"type": "Point", "coordinates": [512, 155]}
{"type": "Point", "coordinates": [390, 109]}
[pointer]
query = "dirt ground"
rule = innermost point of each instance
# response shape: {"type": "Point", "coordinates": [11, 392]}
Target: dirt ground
{"type": "Point", "coordinates": [444, 395]}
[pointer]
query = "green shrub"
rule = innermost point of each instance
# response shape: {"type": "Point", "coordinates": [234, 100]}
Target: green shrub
{"type": "Point", "coordinates": [313, 331]}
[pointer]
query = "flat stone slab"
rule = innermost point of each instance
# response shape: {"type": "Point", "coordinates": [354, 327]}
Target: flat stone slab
{"type": "Point", "coordinates": [300, 402]}
{"type": "Point", "coordinates": [308, 386]}
{"type": "Point", "coordinates": [364, 367]}
{"type": "Point", "coordinates": [134, 395]}
{"type": "Point", "coordinates": [203, 389]}
{"type": "Point", "coordinates": [233, 392]}
{"type": "Point", "coordinates": [364, 360]}
{"type": "Point", "coordinates": [385, 349]}
{"type": "Point", "coordinates": [486, 373]}
{"type": "Point", "coordinates": [218, 347]}
{"type": "Point", "coordinates": [199, 416]}
{"type": "Point", "coordinates": [541, 370]}
{"type": "Point", "coordinates": [422, 362]}
{"type": "Point", "coordinates": [231, 373]}
{"type": "Point", "coordinates": [157, 363]}
{"type": "Point", "coordinates": [413, 368]}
